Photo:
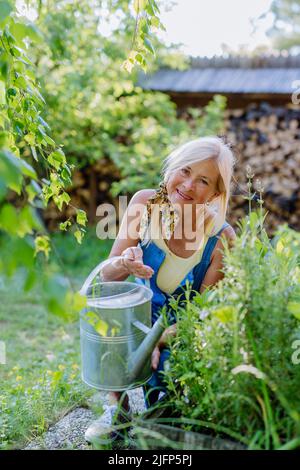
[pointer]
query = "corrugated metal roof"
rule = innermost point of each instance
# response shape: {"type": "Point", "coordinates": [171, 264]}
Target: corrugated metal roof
{"type": "Point", "coordinates": [223, 80]}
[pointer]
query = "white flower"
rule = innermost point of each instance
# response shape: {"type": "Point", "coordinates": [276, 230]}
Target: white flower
{"type": "Point", "coordinates": [203, 314]}
{"type": "Point", "coordinates": [250, 369]}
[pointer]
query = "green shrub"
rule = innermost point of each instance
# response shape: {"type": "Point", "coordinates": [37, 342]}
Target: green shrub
{"type": "Point", "coordinates": [233, 359]}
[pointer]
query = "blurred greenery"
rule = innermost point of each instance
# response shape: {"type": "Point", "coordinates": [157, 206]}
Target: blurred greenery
{"type": "Point", "coordinates": [41, 380]}
{"type": "Point", "coordinates": [97, 109]}
{"type": "Point", "coordinates": [285, 30]}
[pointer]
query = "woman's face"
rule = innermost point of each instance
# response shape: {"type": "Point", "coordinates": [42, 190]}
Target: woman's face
{"type": "Point", "coordinates": [194, 184]}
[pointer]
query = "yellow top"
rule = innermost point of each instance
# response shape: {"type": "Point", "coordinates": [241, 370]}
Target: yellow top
{"type": "Point", "coordinates": [174, 268]}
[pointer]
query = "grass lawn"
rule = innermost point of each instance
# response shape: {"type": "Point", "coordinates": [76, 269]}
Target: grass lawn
{"type": "Point", "coordinates": [41, 380]}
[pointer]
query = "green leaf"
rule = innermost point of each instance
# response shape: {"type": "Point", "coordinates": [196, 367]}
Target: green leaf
{"type": "Point", "coordinates": [33, 189]}
{"type": "Point", "coordinates": [30, 138]}
{"type": "Point", "coordinates": [155, 22]}
{"type": "Point", "coordinates": [4, 67]}
{"type": "Point", "coordinates": [12, 168]}
{"type": "Point", "coordinates": [127, 65]}
{"type": "Point", "coordinates": [294, 308]}
{"type": "Point", "coordinates": [64, 225]}
{"type": "Point", "coordinates": [65, 175]}
{"type": "Point", "coordinates": [61, 199]}
{"type": "Point", "coordinates": [42, 244]}
{"type": "Point", "coordinates": [3, 189]}
{"type": "Point", "coordinates": [79, 300]}
{"type": "Point", "coordinates": [79, 236]}
{"type": "Point", "coordinates": [27, 169]}
{"type": "Point", "coordinates": [21, 82]}
{"type": "Point", "coordinates": [280, 246]}
{"type": "Point", "coordinates": [44, 123]}
{"type": "Point", "coordinates": [57, 159]}
{"type": "Point", "coordinates": [28, 221]}
{"type": "Point", "coordinates": [11, 92]}
{"type": "Point", "coordinates": [54, 306]}
{"type": "Point", "coordinates": [23, 252]}
{"type": "Point", "coordinates": [149, 46]}
{"type": "Point", "coordinates": [8, 219]}
{"type": "Point", "coordinates": [34, 154]}
{"type": "Point", "coordinates": [225, 314]}
{"type": "Point", "coordinates": [140, 58]}
{"type": "Point", "coordinates": [49, 140]}
{"type": "Point", "coordinates": [99, 325]}
{"type": "Point", "coordinates": [2, 93]}
{"type": "Point", "coordinates": [144, 26]}
{"type": "Point", "coordinates": [18, 223]}
{"type": "Point", "coordinates": [187, 376]}
{"type": "Point", "coordinates": [150, 10]}
{"type": "Point", "coordinates": [253, 220]}
{"type": "Point", "coordinates": [36, 96]}
{"type": "Point", "coordinates": [81, 217]}
{"type": "Point", "coordinates": [26, 30]}
{"type": "Point", "coordinates": [10, 171]}
{"type": "Point", "coordinates": [74, 303]}
{"type": "Point", "coordinates": [139, 5]}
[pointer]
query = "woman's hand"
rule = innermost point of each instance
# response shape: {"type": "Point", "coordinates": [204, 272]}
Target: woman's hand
{"type": "Point", "coordinates": [167, 334]}
{"type": "Point", "coordinates": [133, 262]}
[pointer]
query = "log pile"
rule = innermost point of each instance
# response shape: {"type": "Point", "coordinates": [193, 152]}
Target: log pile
{"type": "Point", "coordinates": [268, 139]}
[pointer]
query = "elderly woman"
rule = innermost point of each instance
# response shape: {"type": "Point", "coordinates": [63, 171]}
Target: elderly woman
{"type": "Point", "coordinates": [171, 235]}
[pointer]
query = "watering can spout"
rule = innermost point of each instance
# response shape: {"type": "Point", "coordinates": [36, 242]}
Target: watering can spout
{"type": "Point", "coordinates": [139, 357]}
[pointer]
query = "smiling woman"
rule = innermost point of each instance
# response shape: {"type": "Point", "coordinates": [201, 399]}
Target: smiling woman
{"type": "Point", "coordinates": [177, 238]}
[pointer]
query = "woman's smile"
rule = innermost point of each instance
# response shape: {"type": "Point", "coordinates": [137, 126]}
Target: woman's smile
{"type": "Point", "coordinates": [183, 196]}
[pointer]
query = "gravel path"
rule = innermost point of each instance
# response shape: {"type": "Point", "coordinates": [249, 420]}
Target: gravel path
{"type": "Point", "coordinates": [68, 433]}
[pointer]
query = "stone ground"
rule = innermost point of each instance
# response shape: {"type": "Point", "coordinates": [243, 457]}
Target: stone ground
{"type": "Point", "coordinates": [68, 433]}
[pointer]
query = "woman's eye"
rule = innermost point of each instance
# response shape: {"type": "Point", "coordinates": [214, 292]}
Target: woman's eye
{"type": "Point", "coordinates": [201, 180]}
{"type": "Point", "coordinates": [184, 171]}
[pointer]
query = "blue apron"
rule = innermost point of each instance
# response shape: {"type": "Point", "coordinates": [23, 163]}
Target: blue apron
{"type": "Point", "coordinates": [154, 256]}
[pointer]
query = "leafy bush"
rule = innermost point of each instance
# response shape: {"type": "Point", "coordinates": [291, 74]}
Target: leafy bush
{"type": "Point", "coordinates": [233, 363]}
{"type": "Point", "coordinates": [98, 109]}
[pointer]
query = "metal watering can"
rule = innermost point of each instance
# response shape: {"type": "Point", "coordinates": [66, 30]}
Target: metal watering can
{"type": "Point", "coordinates": [115, 333]}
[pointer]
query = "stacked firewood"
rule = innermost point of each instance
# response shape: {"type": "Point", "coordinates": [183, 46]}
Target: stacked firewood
{"type": "Point", "coordinates": [268, 140]}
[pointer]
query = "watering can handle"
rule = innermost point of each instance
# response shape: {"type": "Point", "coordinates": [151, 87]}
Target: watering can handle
{"type": "Point", "coordinates": [95, 272]}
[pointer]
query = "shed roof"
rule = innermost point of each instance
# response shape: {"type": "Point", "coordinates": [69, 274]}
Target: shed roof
{"type": "Point", "coordinates": [273, 76]}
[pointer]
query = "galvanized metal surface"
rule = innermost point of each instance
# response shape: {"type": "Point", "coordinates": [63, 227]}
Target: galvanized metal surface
{"type": "Point", "coordinates": [116, 334]}
{"type": "Point", "coordinates": [222, 80]}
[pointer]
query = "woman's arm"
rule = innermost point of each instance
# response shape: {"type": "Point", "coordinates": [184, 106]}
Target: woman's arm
{"type": "Point", "coordinates": [213, 274]}
{"type": "Point", "coordinates": [163, 341]}
{"type": "Point", "coordinates": [127, 237]}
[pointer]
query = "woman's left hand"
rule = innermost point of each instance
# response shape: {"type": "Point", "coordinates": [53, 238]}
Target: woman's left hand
{"type": "Point", "coordinates": [168, 333]}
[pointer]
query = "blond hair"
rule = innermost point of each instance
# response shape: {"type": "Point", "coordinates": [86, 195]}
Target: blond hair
{"type": "Point", "coordinates": [206, 148]}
